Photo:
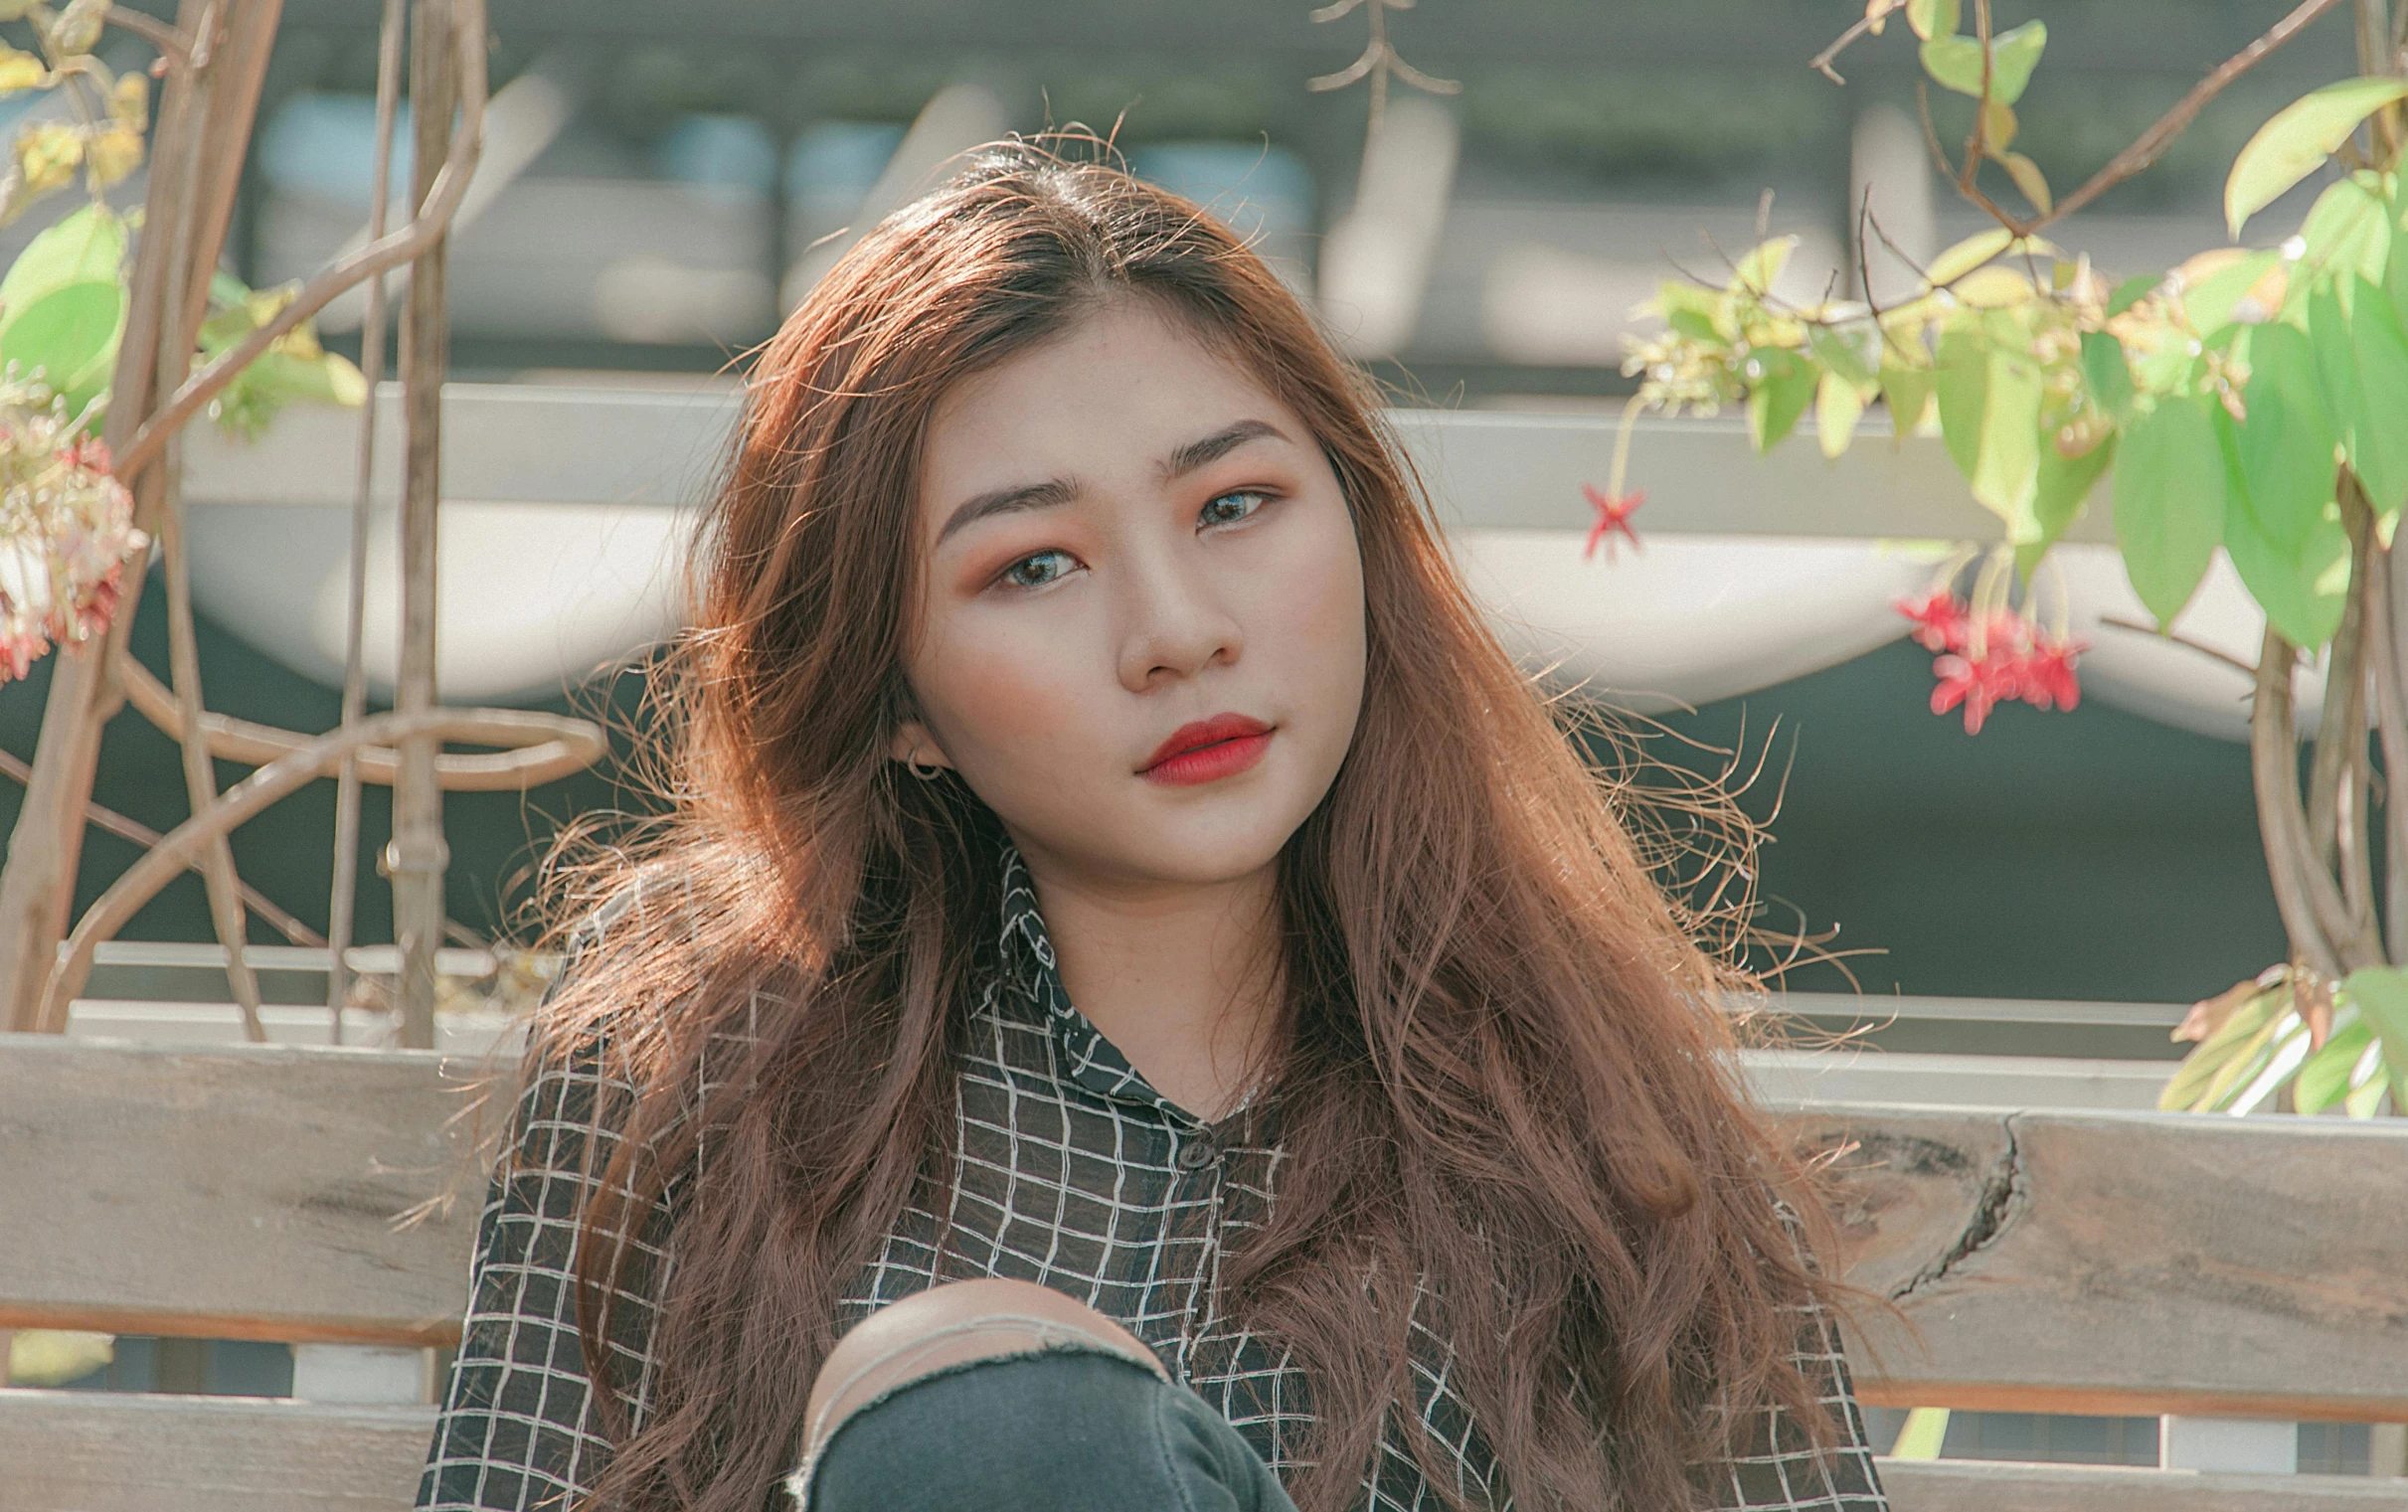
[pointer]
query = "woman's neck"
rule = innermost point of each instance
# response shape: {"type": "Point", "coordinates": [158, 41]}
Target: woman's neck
{"type": "Point", "coordinates": [1182, 978]}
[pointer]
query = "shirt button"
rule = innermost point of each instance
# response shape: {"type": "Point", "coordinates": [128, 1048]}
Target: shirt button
{"type": "Point", "coordinates": [1197, 1153]}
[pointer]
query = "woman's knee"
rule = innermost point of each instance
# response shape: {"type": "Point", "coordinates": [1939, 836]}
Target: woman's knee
{"type": "Point", "coordinates": [951, 1326]}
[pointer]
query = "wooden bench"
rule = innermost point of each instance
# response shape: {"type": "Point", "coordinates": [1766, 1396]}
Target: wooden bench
{"type": "Point", "coordinates": [2054, 1261]}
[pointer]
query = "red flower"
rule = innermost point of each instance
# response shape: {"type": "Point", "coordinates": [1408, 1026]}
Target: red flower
{"type": "Point", "coordinates": [1980, 686]}
{"type": "Point", "coordinates": [2048, 674]}
{"type": "Point", "coordinates": [1940, 620]}
{"type": "Point", "coordinates": [1614, 511]}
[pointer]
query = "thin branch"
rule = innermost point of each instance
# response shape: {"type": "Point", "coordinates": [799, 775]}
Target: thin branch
{"type": "Point", "coordinates": [172, 43]}
{"type": "Point", "coordinates": [2333, 718]}
{"type": "Point", "coordinates": [402, 245]}
{"type": "Point", "coordinates": [1378, 61]}
{"type": "Point", "coordinates": [2391, 720]}
{"type": "Point", "coordinates": [341, 896]}
{"type": "Point", "coordinates": [1977, 141]}
{"type": "Point", "coordinates": [200, 776]}
{"type": "Point", "coordinates": [189, 841]}
{"type": "Point", "coordinates": [542, 747]}
{"type": "Point", "coordinates": [1821, 63]}
{"type": "Point", "coordinates": [2180, 639]}
{"type": "Point", "coordinates": [2151, 144]}
{"type": "Point", "coordinates": [2274, 772]}
{"type": "Point", "coordinates": [1931, 135]}
{"type": "Point", "coordinates": [109, 821]}
{"type": "Point", "coordinates": [1900, 253]}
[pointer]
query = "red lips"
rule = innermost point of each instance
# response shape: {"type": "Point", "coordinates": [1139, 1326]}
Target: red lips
{"type": "Point", "coordinates": [1207, 750]}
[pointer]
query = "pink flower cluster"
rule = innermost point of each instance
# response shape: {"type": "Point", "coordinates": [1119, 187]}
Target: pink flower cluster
{"type": "Point", "coordinates": [2016, 659]}
{"type": "Point", "coordinates": [67, 530]}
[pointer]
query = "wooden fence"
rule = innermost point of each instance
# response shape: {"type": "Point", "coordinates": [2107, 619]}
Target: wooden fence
{"type": "Point", "coordinates": [2051, 1260]}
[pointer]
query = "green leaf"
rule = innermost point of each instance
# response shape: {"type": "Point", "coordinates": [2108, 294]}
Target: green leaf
{"type": "Point", "coordinates": [2299, 584]}
{"type": "Point", "coordinates": [1908, 392]}
{"type": "Point", "coordinates": [2106, 374]}
{"type": "Point", "coordinates": [2302, 586]}
{"type": "Point", "coordinates": [1961, 379]}
{"type": "Point", "coordinates": [70, 334]}
{"type": "Point", "coordinates": [2169, 502]}
{"type": "Point", "coordinates": [86, 247]}
{"type": "Point", "coordinates": [2029, 181]}
{"type": "Point", "coordinates": [1990, 415]}
{"type": "Point", "coordinates": [1763, 265]}
{"type": "Point", "coordinates": [2235, 1075]}
{"type": "Point", "coordinates": [2132, 291]}
{"type": "Point", "coordinates": [2395, 277]}
{"type": "Point", "coordinates": [1838, 405]}
{"type": "Point", "coordinates": [1932, 18]}
{"type": "Point", "coordinates": [1781, 385]}
{"type": "Point", "coordinates": [2380, 430]}
{"type": "Point", "coordinates": [1702, 313]}
{"type": "Point", "coordinates": [2209, 1071]}
{"type": "Point", "coordinates": [1967, 255]}
{"type": "Point", "coordinates": [2008, 477]}
{"type": "Point", "coordinates": [1690, 323]}
{"type": "Point", "coordinates": [2337, 361]}
{"type": "Point", "coordinates": [1853, 351]}
{"type": "Point", "coordinates": [2381, 995]}
{"type": "Point", "coordinates": [2285, 444]}
{"type": "Point", "coordinates": [2063, 486]}
{"type": "Point", "coordinates": [2296, 141]}
{"type": "Point", "coordinates": [2215, 301]}
{"type": "Point", "coordinates": [2362, 1102]}
{"type": "Point", "coordinates": [2325, 1075]}
{"type": "Point", "coordinates": [1955, 63]}
{"type": "Point", "coordinates": [2347, 232]}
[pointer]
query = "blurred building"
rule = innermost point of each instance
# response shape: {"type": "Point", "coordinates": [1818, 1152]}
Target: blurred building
{"type": "Point", "coordinates": [663, 183]}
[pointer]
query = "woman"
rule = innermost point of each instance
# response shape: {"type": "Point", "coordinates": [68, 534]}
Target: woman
{"type": "Point", "coordinates": [1127, 931]}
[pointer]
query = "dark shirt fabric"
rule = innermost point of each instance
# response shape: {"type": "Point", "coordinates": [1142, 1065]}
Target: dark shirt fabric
{"type": "Point", "coordinates": [1070, 1171]}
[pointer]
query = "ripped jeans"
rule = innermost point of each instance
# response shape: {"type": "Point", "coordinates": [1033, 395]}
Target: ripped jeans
{"type": "Point", "coordinates": [1070, 1422]}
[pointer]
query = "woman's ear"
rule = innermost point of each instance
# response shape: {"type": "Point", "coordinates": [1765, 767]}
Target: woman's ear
{"type": "Point", "coordinates": [916, 748]}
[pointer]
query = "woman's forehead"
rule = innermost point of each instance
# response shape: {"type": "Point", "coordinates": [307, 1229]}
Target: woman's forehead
{"type": "Point", "coordinates": [1116, 391]}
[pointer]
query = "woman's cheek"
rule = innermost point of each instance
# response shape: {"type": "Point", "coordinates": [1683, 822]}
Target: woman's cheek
{"type": "Point", "coordinates": [1008, 684]}
{"type": "Point", "coordinates": [1320, 597]}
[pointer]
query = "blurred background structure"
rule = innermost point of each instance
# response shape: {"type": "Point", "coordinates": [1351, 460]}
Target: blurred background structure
{"type": "Point", "coordinates": [669, 186]}
{"type": "Point", "coordinates": [661, 183]}
{"type": "Point", "coordinates": [658, 188]}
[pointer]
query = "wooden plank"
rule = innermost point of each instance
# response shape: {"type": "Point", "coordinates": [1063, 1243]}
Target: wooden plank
{"type": "Point", "coordinates": [106, 1452]}
{"type": "Point", "coordinates": [236, 1192]}
{"type": "Point", "coordinates": [92, 1452]}
{"type": "Point", "coordinates": [2108, 1262]}
{"type": "Point", "coordinates": [1991, 1486]}
{"type": "Point", "coordinates": [2054, 1261]}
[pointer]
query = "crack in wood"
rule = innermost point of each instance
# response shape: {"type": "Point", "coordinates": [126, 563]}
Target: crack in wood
{"type": "Point", "coordinates": [2000, 1194]}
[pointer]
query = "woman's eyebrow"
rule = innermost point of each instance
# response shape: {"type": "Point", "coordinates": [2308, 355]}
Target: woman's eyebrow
{"type": "Point", "coordinates": [1001, 501]}
{"type": "Point", "coordinates": [1185, 459]}
{"type": "Point", "coordinates": [1220, 443]}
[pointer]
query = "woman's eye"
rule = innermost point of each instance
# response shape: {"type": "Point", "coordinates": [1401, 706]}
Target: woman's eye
{"type": "Point", "coordinates": [1232, 506]}
{"type": "Point", "coordinates": [1038, 569]}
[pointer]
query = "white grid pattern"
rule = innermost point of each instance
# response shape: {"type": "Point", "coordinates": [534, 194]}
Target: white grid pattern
{"type": "Point", "coordinates": [1071, 1171]}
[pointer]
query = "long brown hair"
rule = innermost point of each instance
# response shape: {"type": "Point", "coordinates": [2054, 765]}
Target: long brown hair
{"type": "Point", "coordinates": [1505, 1089]}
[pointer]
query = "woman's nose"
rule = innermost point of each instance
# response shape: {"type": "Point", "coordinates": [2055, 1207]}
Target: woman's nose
{"type": "Point", "coordinates": [1175, 622]}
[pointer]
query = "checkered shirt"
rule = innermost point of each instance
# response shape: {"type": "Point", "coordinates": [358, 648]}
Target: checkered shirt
{"type": "Point", "coordinates": [1070, 1171]}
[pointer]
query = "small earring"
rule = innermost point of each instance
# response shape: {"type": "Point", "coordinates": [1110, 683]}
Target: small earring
{"type": "Point", "coordinates": [928, 773]}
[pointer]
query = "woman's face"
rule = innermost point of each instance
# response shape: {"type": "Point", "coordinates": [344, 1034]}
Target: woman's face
{"type": "Point", "coordinates": [1140, 631]}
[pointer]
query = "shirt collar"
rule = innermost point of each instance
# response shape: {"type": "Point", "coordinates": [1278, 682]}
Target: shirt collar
{"type": "Point", "coordinates": [1032, 973]}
